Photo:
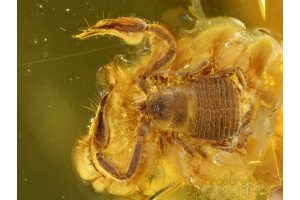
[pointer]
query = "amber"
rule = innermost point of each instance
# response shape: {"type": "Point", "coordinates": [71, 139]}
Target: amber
{"type": "Point", "coordinates": [201, 112]}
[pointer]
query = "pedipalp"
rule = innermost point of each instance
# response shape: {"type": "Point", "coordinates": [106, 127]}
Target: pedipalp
{"type": "Point", "coordinates": [133, 31]}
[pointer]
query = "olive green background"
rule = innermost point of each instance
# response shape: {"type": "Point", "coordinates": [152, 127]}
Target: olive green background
{"type": "Point", "coordinates": [57, 77]}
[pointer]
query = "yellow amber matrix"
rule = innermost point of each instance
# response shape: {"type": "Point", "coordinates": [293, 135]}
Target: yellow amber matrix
{"type": "Point", "coordinates": [203, 110]}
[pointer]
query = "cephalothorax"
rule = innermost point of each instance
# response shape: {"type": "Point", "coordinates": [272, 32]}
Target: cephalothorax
{"type": "Point", "coordinates": [200, 90]}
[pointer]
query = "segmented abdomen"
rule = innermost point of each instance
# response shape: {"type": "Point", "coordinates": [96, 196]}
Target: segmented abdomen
{"type": "Point", "coordinates": [217, 112]}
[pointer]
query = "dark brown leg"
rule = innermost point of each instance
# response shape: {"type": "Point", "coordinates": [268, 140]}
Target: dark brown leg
{"type": "Point", "coordinates": [101, 131]}
{"type": "Point", "coordinates": [132, 167]}
{"type": "Point", "coordinates": [191, 150]}
{"type": "Point", "coordinates": [109, 168]}
{"type": "Point", "coordinates": [136, 159]}
{"type": "Point", "coordinates": [225, 145]}
{"type": "Point", "coordinates": [162, 144]}
{"type": "Point", "coordinates": [202, 152]}
{"type": "Point", "coordinates": [185, 146]}
{"type": "Point", "coordinates": [230, 146]}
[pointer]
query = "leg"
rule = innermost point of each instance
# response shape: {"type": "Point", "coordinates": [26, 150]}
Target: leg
{"type": "Point", "coordinates": [244, 131]}
{"type": "Point", "coordinates": [135, 160]}
{"type": "Point", "coordinates": [142, 130]}
{"type": "Point", "coordinates": [101, 133]}
{"type": "Point", "coordinates": [186, 147]}
{"type": "Point", "coordinates": [162, 144]}
{"type": "Point", "coordinates": [202, 151]}
{"type": "Point", "coordinates": [236, 75]}
{"type": "Point", "coordinates": [132, 167]}
{"type": "Point", "coordinates": [225, 145]}
{"type": "Point", "coordinates": [133, 31]}
{"type": "Point", "coordinates": [230, 146]}
{"type": "Point", "coordinates": [192, 148]}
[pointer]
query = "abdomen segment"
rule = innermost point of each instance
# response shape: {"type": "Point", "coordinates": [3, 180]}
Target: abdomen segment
{"type": "Point", "coordinates": [216, 109]}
